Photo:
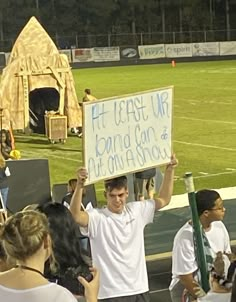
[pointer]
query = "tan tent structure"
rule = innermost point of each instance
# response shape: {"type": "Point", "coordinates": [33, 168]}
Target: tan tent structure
{"type": "Point", "coordinates": [37, 78]}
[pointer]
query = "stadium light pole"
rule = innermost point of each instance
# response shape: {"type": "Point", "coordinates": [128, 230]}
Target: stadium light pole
{"type": "Point", "coordinates": [37, 9]}
{"type": "Point", "coordinates": [227, 18]}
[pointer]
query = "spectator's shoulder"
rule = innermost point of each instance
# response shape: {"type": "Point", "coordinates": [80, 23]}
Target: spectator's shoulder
{"type": "Point", "coordinates": [186, 231]}
{"type": "Point", "coordinates": [219, 225]}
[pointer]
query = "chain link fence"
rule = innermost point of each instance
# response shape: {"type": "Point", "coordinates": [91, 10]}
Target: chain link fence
{"type": "Point", "coordinates": [128, 39]}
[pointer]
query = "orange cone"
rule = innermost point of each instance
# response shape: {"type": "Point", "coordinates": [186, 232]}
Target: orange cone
{"type": "Point", "coordinates": [173, 63]}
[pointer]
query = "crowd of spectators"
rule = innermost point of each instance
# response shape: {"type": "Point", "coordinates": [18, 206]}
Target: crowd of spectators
{"type": "Point", "coordinates": [42, 257]}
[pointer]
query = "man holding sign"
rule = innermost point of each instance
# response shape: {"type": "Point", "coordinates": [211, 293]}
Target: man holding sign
{"type": "Point", "coordinates": [116, 235]}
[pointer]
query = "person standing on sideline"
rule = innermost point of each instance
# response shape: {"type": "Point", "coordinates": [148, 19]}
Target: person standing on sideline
{"type": "Point", "coordinates": [116, 235]}
{"type": "Point", "coordinates": [4, 173]}
{"type": "Point", "coordinates": [211, 212]}
{"type": "Point", "coordinates": [88, 96]}
{"type": "Point", "coordinates": [144, 184]}
{"type": "Point", "coordinates": [6, 147]}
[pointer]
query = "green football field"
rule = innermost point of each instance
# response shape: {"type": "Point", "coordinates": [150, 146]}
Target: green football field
{"type": "Point", "coordinates": [204, 126]}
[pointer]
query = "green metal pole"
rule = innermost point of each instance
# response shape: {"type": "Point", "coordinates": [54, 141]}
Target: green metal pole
{"type": "Point", "coordinates": [200, 254]}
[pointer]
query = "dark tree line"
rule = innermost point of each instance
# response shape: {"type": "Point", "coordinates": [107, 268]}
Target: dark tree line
{"type": "Point", "coordinates": [84, 17]}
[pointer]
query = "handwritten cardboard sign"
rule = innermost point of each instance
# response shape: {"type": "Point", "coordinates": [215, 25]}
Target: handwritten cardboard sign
{"type": "Point", "coordinates": [127, 133]}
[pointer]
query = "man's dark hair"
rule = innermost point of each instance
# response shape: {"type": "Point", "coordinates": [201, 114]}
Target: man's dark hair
{"type": "Point", "coordinates": [205, 200]}
{"type": "Point", "coordinates": [116, 183]}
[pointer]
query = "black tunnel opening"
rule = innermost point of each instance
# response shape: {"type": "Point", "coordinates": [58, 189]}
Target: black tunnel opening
{"type": "Point", "coordinates": [41, 100]}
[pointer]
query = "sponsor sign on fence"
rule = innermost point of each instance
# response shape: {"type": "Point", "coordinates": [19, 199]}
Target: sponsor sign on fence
{"type": "Point", "coordinates": [206, 49]}
{"type": "Point", "coordinates": [128, 53]}
{"type": "Point", "coordinates": [104, 54]}
{"type": "Point", "coordinates": [227, 48]}
{"type": "Point", "coordinates": [151, 51]}
{"type": "Point", "coordinates": [82, 55]}
{"type": "Point", "coordinates": [178, 50]}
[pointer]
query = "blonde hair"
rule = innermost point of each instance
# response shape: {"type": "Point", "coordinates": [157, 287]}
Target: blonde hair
{"type": "Point", "coordinates": [23, 234]}
{"type": "Point", "coordinates": [30, 207]}
{"type": "Point", "coordinates": [2, 161]}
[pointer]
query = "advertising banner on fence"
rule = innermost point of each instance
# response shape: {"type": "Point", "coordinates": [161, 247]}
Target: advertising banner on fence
{"type": "Point", "coordinates": [127, 53]}
{"type": "Point", "coordinates": [227, 48]}
{"type": "Point", "coordinates": [66, 52]}
{"type": "Point", "coordinates": [206, 49]}
{"type": "Point", "coordinates": [82, 55]}
{"type": "Point", "coordinates": [178, 50]}
{"type": "Point", "coordinates": [151, 51]}
{"type": "Point", "coordinates": [104, 54]}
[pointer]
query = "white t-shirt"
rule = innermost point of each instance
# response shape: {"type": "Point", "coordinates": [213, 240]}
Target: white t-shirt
{"type": "Point", "coordinates": [215, 297]}
{"type": "Point", "coordinates": [46, 293]}
{"type": "Point", "coordinates": [183, 255]}
{"type": "Point", "coordinates": [117, 245]}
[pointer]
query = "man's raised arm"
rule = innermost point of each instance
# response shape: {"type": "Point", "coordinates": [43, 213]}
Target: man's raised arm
{"type": "Point", "coordinates": [81, 217]}
{"type": "Point", "coordinates": [166, 189]}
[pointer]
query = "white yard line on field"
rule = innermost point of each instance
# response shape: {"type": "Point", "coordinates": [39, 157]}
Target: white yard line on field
{"type": "Point", "coordinates": [196, 101]}
{"type": "Point", "coordinates": [47, 154]}
{"type": "Point", "coordinates": [205, 120]}
{"type": "Point", "coordinates": [205, 146]}
{"type": "Point", "coordinates": [213, 174]}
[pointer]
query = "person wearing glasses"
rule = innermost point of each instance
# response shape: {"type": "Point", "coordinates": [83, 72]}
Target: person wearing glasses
{"type": "Point", "coordinates": [211, 212]}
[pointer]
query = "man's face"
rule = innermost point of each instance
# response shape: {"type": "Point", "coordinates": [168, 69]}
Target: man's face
{"type": "Point", "coordinates": [116, 199]}
{"type": "Point", "coordinates": [218, 211]}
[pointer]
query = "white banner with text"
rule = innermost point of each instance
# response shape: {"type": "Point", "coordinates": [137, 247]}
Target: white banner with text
{"type": "Point", "coordinates": [82, 55]}
{"type": "Point", "coordinates": [151, 51]}
{"type": "Point", "coordinates": [104, 54]}
{"type": "Point", "coordinates": [206, 49]}
{"type": "Point", "coordinates": [227, 48]}
{"type": "Point", "coordinates": [178, 50]}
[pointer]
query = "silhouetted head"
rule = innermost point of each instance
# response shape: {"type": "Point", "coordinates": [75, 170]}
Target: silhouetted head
{"type": "Point", "coordinates": [87, 90]}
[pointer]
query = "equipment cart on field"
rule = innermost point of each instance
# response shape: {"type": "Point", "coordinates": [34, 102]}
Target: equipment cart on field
{"type": "Point", "coordinates": [56, 128]}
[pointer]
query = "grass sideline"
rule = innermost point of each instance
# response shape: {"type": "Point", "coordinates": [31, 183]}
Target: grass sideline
{"type": "Point", "coordinates": [204, 126]}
